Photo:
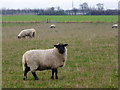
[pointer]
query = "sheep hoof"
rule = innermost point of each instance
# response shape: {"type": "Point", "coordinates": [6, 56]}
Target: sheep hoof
{"type": "Point", "coordinates": [56, 77]}
{"type": "Point", "coordinates": [52, 77]}
{"type": "Point", "coordinates": [24, 78]}
{"type": "Point", "coordinates": [36, 78]}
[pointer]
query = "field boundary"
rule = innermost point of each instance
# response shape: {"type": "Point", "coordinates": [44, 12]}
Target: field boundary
{"type": "Point", "coordinates": [53, 22]}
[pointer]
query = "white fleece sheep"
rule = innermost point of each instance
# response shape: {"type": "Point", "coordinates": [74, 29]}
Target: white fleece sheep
{"type": "Point", "coordinates": [34, 60]}
{"type": "Point", "coordinates": [27, 32]}
{"type": "Point", "coordinates": [115, 26]}
{"type": "Point", "coordinates": [52, 26]}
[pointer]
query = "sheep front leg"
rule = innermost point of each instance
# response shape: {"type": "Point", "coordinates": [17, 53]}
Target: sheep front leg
{"type": "Point", "coordinates": [35, 76]}
{"type": "Point", "coordinates": [56, 71]}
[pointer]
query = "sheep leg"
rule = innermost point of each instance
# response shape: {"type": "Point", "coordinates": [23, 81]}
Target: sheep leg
{"type": "Point", "coordinates": [56, 71]}
{"type": "Point", "coordinates": [35, 76]}
{"type": "Point", "coordinates": [23, 36]}
{"type": "Point", "coordinates": [52, 77]}
{"type": "Point", "coordinates": [27, 69]}
{"type": "Point", "coordinates": [33, 34]}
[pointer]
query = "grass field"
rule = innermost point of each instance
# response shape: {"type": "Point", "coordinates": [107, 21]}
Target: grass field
{"type": "Point", "coordinates": [61, 18]}
{"type": "Point", "coordinates": [92, 55]}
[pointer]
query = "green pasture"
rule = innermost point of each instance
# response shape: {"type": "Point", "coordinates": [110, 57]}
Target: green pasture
{"type": "Point", "coordinates": [92, 54]}
{"type": "Point", "coordinates": [64, 18]}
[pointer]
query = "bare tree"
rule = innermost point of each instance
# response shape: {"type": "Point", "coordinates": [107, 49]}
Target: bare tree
{"type": "Point", "coordinates": [100, 6]}
{"type": "Point", "coordinates": [52, 8]}
{"type": "Point", "coordinates": [84, 8]}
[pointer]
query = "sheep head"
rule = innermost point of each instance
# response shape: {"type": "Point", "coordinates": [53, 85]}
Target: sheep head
{"type": "Point", "coordinates": [61, 47]}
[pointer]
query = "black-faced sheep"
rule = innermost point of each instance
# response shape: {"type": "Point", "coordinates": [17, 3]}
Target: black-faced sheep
{"type": "Point", "coordinates": [27, 32]}
{"type": "Point", "coordinates": [52, 26]}
{"type": "Point", "coordinates": [33, 60]}
{"type": "Point", "coordinates": [115, 26]}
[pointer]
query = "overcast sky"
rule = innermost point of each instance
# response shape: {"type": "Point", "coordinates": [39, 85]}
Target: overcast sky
{"type": "Point", "coordinates": [64, 4]}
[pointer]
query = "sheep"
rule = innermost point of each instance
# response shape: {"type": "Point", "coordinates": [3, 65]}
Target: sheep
{"type": "Point", "coordinates": [52, 26]}
{"type": "Point", "coordinates": [48, 59]}
{"type": "Point", "coordinates": [27, 32]}
{"type": "Point", "coordinates": [115, 26]}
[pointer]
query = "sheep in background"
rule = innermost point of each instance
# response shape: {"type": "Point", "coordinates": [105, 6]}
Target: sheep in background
{"type": "Point", "coordinates": [115, 26]}
{"type": "Point", "coordinates": [52, 26]}
{"type": "Point", "coordinates": [27, 32]}
{"type": "Point", "coordinates": [51, 59]}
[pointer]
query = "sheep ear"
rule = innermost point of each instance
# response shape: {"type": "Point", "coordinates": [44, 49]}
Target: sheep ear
{"type": "Point", "coordinates": [56, 46]}
{"type": "Point", "coordinates": [65, 45]}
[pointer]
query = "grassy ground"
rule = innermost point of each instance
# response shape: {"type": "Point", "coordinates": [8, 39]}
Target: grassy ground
{"type": "Point", "coordinates": [63, 18]}
{"type": "Point", "coordinates": [92, 55]}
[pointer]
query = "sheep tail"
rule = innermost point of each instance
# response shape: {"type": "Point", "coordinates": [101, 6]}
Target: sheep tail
{"type": "Point", "coordinates": [24, 63]}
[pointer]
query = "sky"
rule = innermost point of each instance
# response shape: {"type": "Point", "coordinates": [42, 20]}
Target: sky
{"type": "Point", "coordinates": [63, 4]}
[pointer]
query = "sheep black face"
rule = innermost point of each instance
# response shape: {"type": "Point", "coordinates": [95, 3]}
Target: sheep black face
{"type": "Point", "coordinates": [61, 48]}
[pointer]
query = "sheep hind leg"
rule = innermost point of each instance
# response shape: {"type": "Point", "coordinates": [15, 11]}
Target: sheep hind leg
{"type": "Point", "coordinates": [35, 76]}
{"type": "Point", "coordinates": [27, 69]}
{"type": "Point", "coordinates": [53, 70]}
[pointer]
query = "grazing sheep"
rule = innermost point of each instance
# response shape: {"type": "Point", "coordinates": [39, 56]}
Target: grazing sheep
{"type": "Point", "coordinates": [33, 60]}
{"type": "Point", "coordinates": [52, 26]}
{"type": "Point", "coordinates": [27, 32]}
{"type": "Point", "coordinates": [115, 26]}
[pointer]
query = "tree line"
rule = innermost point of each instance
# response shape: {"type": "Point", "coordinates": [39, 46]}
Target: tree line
{"type": "Point", "coordinates": [83, 9]}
